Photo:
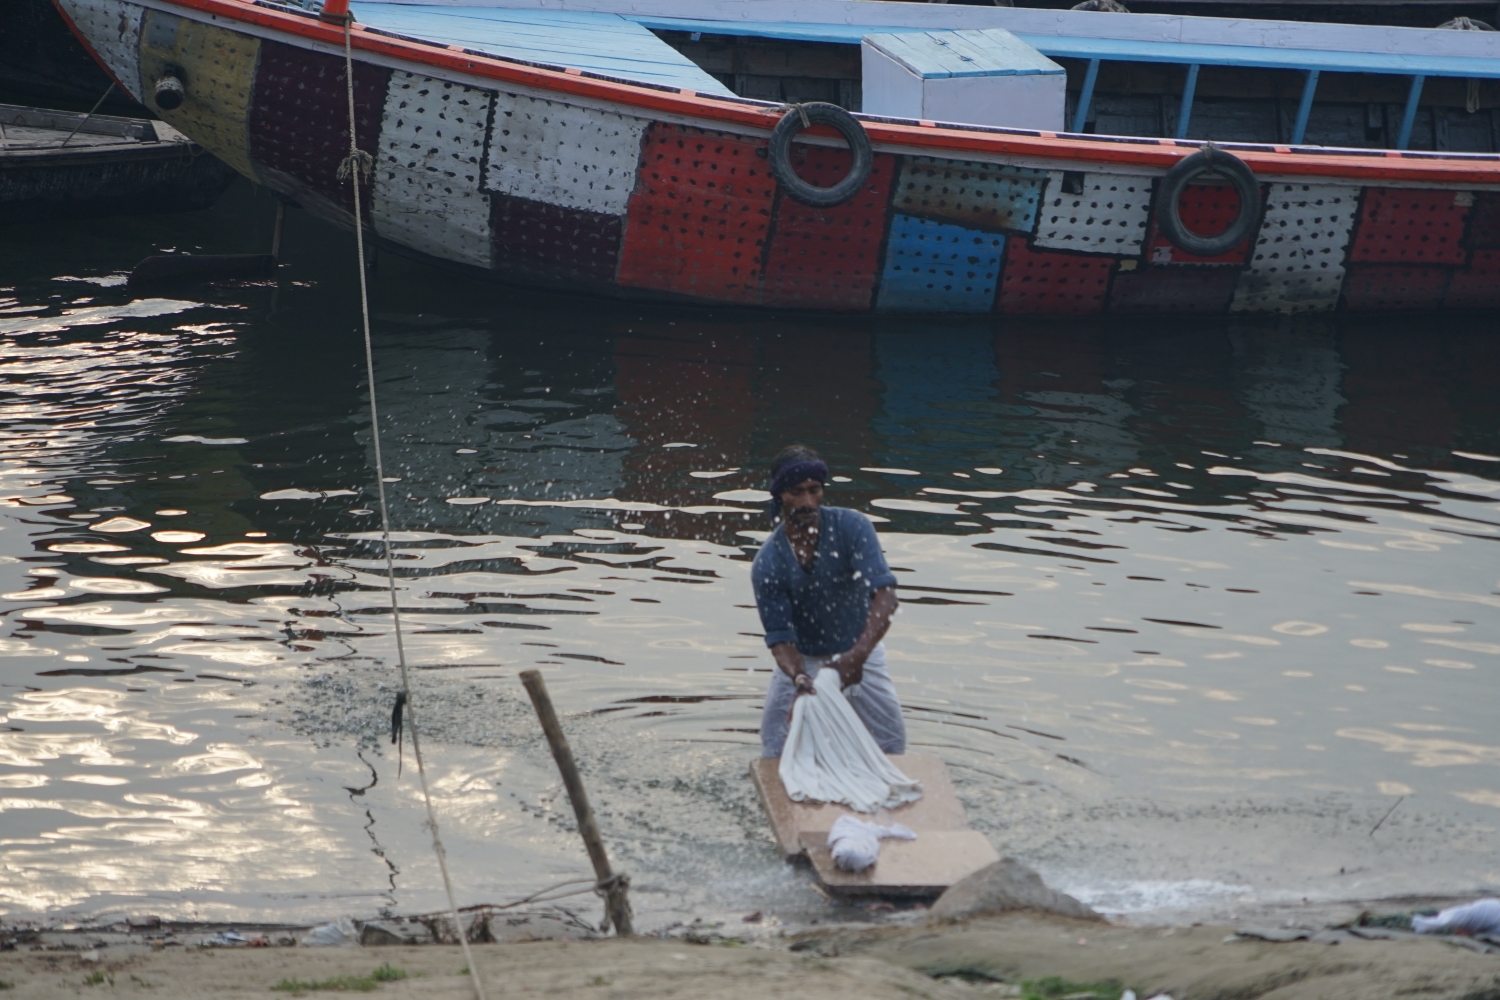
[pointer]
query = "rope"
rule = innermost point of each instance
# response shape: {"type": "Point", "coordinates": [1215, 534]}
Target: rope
{"type": "Point", "coordinates": [356, 166]}
{"type": "Point", "coordinates": [98, 104]}
{"type": "Point", "coordinates": [601, 888]}
{"type": "Point", "coordinates": [544, 895]}
{"type": "Point", "coordinates": [605, 888]}
{"type": "Point", "coordinates": [806, 122]}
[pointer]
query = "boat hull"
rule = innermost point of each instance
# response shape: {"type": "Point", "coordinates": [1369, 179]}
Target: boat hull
{"type": "Point", "coordinates": [555, 178]}
{"type": "Point", "coordinates": [42, 63]}
{"type": "Point", "coordinates": [56, 165]}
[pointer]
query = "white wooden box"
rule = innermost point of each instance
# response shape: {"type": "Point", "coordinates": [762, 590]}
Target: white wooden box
{"type": "Point", "coordinates": [973, 76]}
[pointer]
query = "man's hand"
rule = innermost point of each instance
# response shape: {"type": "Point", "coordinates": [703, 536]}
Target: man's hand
{"type": "Point", "coordinates": [851, 663]}
{"type": "Point", "coordinates": [851, 667]}
{"type": "Point", "coordinates": [791, 663]}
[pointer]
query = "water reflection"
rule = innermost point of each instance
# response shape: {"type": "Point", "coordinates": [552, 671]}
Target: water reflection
{"type": "Point", "coordinates": [1160, 586]}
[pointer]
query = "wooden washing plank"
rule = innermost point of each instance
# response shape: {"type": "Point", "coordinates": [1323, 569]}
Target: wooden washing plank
{"type": "Point", "coordinates": [937, 809]}
{"type": "Point", "coordinates": [914, 868]}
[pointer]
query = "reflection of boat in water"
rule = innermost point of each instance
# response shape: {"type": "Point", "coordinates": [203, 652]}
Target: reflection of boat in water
{"type": "Point", "coordinates": [60, 165]}
{"type": "Point", "coordinates": [528, 449]}
{"type": "Point", "coordinates": [666, 187]}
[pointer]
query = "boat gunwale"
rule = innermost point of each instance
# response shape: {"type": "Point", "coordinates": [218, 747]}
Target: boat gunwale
{"type": "Point", "coordinates": [125, 151]}
{"type": "Point", "coordinates": [1058, 150]}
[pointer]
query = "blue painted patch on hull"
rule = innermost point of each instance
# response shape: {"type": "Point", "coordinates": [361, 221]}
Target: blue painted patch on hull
{"type": "Point", "coordinates": [936, 267]}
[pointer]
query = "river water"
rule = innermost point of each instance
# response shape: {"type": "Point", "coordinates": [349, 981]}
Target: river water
{"type": "Point", "coordinates": [1188, 605]}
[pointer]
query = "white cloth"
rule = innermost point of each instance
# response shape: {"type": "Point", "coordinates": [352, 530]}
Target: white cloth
{"type": "Point", "coordinates": [1479, 917]}
{"type": "Point", "coordinates": [855, 844]}
{"type": "Point", "coordinates": [341, 934]}
{"type": "Point", "coordinates": [831, 757]}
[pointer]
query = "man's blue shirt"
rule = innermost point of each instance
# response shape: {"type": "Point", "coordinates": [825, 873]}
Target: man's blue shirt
{"type": "Point", "coordinates": [822, 609]}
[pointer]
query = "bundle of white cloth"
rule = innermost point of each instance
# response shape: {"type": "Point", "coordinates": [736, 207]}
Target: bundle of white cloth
{"type": "Point", "coordinates": [831, 757]}
{"type": "Point", "coordinates": [855, 844]}
{"type": "Point", "coordinates": [1479, 917]}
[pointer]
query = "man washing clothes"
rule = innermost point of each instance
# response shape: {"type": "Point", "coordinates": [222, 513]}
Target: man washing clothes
{"type": "Point", "coordinates": [826, 597]}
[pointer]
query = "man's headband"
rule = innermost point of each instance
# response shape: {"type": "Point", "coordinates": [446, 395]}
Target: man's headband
{"type": "Point", "coordinates": [797, 472]}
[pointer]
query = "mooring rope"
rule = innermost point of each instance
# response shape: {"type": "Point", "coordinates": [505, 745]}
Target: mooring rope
{"type": "Point", "coordinates": [84, 121]}
{"type": "Point", "coordinates": [355, 167]}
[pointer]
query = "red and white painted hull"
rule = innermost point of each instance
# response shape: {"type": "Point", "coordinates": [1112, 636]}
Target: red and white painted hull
{"type": "Point", "coordinates": [557, 178]}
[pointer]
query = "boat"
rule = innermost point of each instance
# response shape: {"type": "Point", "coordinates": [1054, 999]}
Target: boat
{"type": "Point", "coordinates": [65, 165]}
{"type": "Point", "coordinates": [42, 63]}
{"type": "Point", "coordinates": [568, 144]}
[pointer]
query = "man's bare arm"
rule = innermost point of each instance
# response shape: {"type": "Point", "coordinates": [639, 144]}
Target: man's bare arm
{"type": "Point", "coordinates": [851, 665]}
{"type": "Point", "coordinates": [789, 658]}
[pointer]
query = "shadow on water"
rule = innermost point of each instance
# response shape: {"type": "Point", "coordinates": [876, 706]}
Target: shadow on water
{"type": "Point", "coordinates": [1219, 559]}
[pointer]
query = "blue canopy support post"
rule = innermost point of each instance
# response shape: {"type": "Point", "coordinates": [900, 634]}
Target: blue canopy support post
{"type": "Point", "coordinates": [1409, 118]}
{"type": "Point", "coordinates": [1185, 113]}
{"type": "Point", "coordinates": [1086, 96]}
{"type": "Point", "coordinates": [1304, 110]}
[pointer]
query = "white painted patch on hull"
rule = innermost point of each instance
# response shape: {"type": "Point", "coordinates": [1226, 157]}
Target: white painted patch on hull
{"type": "Point", "coordinates": [427, 192]}
{"type": "Point", "coordinates": [1108, 217]}
{"type": "Point", "coordinates": [1298, 263]}
{"type": "Point", "coordinates": [113, 29]}
{"type": "Point", "coordinates": [564, 155]}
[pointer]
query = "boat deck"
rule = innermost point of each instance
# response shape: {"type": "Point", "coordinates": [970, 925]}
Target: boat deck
{"type": "Point", "coordinates": [1417, 76]}
{"type": "Point", "coordinates": [41, 129]}
{"type": "Point", "coordinates": [1066, 34]}
{"type": "Point", "coordinates": [594, 41]}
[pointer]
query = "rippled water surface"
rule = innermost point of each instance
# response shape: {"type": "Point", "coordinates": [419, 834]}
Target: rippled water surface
{"type": "Point", "coordinates": [1187, 605]}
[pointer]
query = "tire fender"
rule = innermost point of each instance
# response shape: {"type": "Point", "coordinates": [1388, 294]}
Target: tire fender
{"type": "Point", "coordinates": [1209, 159]}
{"type": "Point", "coordinates": [801, 116]}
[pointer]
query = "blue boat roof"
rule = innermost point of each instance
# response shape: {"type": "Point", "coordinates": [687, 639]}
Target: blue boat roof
{"type": "Point", "coordinates": [1122, 49]}
{"type": "Point", "coordinates": [602, 43]}
{"type": "Point", "coordinates": [622, 44]}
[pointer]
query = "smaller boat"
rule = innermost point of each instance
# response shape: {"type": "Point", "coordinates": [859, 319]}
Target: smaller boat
{"type": "Point", "coordinates": [66, 165]}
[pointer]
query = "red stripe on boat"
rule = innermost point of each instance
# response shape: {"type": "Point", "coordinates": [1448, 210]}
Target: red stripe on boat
{"type": "Point", "coordinates": [1414, 227]}
{"type": "Point", "coordinates": [699, 217]}
{"type": "Point", "coordinates": [828, 258]}
{"type": "Point", "coordinates": [1053, 282]}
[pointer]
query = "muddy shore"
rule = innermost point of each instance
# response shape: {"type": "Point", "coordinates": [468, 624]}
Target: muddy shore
{"type": "Point", "coordinates": [985, 957]}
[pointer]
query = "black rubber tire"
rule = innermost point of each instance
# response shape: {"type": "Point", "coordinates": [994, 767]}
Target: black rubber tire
{"type": "Point", "coordinates": [1188, 169]}
{"type": "Point", "coordinates": [780, 154]}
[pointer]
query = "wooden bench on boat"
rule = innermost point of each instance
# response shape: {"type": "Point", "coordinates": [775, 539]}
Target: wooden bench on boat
{"type": "Point", "coordinates": [945, 850]}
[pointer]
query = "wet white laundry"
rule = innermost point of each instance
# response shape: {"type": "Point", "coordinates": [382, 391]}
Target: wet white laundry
{"type": "Point", "coordinates": [830, 756]}
{"type": "Point", "coordinates": [855, 843]}
{"type": "Point", "coordinates": [340, 934]}
{"type": "Point", "coordinates": [1479, 917]}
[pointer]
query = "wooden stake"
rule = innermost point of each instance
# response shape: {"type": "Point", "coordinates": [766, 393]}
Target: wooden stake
{"type": "Point", "coordinates": [617, 903]}
{"type": "Point", "coordinates": [276, 233]}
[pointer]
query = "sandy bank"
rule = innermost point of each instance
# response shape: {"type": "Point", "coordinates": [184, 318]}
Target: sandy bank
{"type": "Point", "coordinates": [870, 964]}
